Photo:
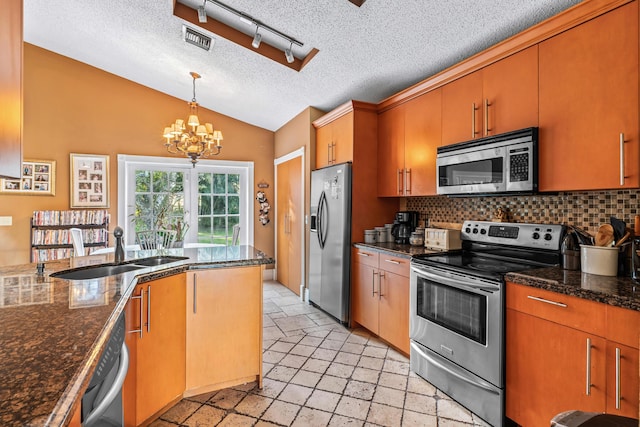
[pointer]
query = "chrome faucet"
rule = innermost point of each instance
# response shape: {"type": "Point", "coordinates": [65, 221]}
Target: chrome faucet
{"type": "Point", "coordinates": [119, 252]}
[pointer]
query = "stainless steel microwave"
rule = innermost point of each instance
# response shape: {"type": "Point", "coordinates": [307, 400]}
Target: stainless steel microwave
{"type": "Point", "coordinates": [505, 163]}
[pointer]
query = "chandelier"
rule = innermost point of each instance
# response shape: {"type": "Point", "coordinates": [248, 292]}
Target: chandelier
{"type": "Point", "coordinates": [197, 140]}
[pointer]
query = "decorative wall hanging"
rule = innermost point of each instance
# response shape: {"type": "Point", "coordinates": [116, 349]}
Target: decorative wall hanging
{"type": "Point", "coordinates": [89, 181]}
{"type": "Point", "coordinates": [38, 178]}
{"type": "Point", "coordinates": [264, 207]}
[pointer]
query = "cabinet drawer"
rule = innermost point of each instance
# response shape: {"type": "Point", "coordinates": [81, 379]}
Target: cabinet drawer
{"type": "Point", "coordinates": [366, 257]}
{"type": "Point", "coordinates": [623, 326]}
{"type": "Point", "coordinates": [587, 316]}
{"type": "Point", "coordinates": [394, 264]}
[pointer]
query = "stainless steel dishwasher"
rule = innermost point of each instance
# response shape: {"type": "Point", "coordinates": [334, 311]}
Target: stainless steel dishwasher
{"type": "Point", "coordinates": [102, 401]}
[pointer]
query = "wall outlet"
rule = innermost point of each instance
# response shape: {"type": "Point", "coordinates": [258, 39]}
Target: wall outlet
{"type": "Point", "coordinates": [6, 220]}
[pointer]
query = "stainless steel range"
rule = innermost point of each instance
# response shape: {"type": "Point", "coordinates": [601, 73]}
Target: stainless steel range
{"type": "Point", "coordinates": [457, 309]}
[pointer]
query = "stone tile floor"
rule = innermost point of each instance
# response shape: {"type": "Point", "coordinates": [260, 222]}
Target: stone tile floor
{"type": "Point", "coordinates": [319, 373]}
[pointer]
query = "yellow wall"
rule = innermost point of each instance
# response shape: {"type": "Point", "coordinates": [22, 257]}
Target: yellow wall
{"type": "Point", "coordinates": [72, 107]}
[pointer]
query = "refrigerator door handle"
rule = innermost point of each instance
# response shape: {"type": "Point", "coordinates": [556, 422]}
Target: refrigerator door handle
{"type": "Point", "coordinates": [325, 216]}
{"type": "Point", "coordinates": [319, 219]}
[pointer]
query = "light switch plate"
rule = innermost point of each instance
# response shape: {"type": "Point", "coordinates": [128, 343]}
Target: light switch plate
{"type": "Point", "coordinates": [6, 220]}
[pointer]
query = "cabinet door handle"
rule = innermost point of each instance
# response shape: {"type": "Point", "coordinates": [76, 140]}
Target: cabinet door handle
{"type": "Point", "coordinates": [558, 304]}
{"type": "Point", "coordinates": [148, 309]}
{"type": "Point", "coordinates": [141, 298]}
{"type": "Point", "coordinates": [473, 120]}
{"type": "Point", "coordinates": [195, 293]}
{"type": "Point", "coordinates": [407, 180]}
{"type": "Point", "coordinates": [333, 152]}
{"type": "Point", "coordinates": [618, 385]}
{"type": "Point", "coordinates": [621, 159]}
{"type": "Point", "coordinates": [373, 284]}
{"type": "Point", "coordinates": [380, 276]}
{"type": "Point", "coordinates": [399, 182]}
{"type": "Point", "coordinates": [363, 254]}
{"type": "Point", "coordinates": [392, 261]}
{"type": "Point", "coordinates": [487, 104]}
{"type": "Point", "coordinates": [329, 153]}
{"type": "Point", "coordinates": [588, 375]}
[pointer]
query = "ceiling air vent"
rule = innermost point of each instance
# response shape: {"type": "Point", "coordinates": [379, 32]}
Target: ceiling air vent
{"type": "Point", "coordinates": [197, 38]}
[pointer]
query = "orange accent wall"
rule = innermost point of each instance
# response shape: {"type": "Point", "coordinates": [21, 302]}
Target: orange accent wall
{"type": "Point", "coordinates": [73, 107]}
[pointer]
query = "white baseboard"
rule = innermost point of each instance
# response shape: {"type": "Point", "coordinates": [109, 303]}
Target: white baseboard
{"type": "Point", "coordinates": [269, 274]}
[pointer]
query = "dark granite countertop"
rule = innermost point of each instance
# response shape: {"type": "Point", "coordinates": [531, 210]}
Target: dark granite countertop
{"type": "Point", "coordinates": [404, 251]}
{"type": "Point", "coordinates": [53, 330]}
{"type": "Point", "coordinates": [616, 291]}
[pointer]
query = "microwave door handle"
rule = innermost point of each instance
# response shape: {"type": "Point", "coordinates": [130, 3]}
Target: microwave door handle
{"type": "Point", "coordinates": [459, 283]}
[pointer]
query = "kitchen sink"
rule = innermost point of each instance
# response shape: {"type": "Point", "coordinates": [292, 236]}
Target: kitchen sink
{"type": "Point", "coordinates": [158, 260]}
{"type": "Point", "coordinates": [96, 272]}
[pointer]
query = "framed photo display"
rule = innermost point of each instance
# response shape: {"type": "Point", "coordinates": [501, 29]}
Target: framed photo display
{"type": "Point", "coordinates": [89, 181]}
{"type": "Point", "coordinates": [38, 178]}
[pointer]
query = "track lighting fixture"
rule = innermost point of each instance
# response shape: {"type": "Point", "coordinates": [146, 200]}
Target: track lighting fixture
{"type": "Point", "coordinates": [289, 54]}
{"type": "Point", "coordinates": [202, 13]}
{"type": "Point", "coordinates": [257, 38]}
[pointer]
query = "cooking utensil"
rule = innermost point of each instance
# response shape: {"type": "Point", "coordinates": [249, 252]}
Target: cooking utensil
{"type": "Point", "coordinates": [584, 238]}
{"type": "Point", "coordinates": [605, 235]}
{"type": "Point", "coordinates": [624, 238]}
{"type": "Point", "coordinates": [619, 227]}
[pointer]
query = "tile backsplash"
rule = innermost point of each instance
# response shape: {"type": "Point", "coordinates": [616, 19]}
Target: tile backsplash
{"type": "Point", "coordinates": [584, 209]}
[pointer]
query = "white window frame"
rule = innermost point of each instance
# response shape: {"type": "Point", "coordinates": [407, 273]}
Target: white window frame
{"type": "Point", "coordinates": [127, 165]}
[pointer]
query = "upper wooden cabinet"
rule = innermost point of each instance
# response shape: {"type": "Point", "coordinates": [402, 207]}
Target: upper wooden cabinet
{"type": "Point", "coordinates": [11, 89]}
{"type": "Point", "coordinates": [408, 136]}
{"type": "Point", "coordinates": [589, 105]}
{"type": "Point", "coordinates": [334, 141]}
{"type": "Point", "coordinates": [498, 98]}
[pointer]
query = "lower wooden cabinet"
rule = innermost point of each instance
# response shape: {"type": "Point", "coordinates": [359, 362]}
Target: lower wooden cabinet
{"type": "Point", "coordinates": [380, 295]}
{"type": "Point", "coordinates": [156, 340]}
{"type": "Point", "coordinates": [224, 328]}
{"type": "Point", "coordinates": [565, 353]}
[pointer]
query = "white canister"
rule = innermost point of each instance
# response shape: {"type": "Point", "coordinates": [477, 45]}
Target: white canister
{"type": "Point", "coordinates": [389, 227]}
{"type": "Point", "coordinates": [370, 236]}
{"type": "Point", "coordinates": [382, 234]}
{"type": "Point", "coordinates": [601, 260]}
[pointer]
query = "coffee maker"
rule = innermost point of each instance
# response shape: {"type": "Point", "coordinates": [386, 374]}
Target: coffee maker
{"type": "Point", "coordinates": [403, 225]}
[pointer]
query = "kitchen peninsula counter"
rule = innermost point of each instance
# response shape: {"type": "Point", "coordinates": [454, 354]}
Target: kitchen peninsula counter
{"type": "Point", "coordinates": [54, 330]}
{"type": "Point", "coordinates": [616, 291]}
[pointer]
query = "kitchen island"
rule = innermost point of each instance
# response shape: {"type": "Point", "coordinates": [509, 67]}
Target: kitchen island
{"type": "Point", "coordinates": [54, 330]}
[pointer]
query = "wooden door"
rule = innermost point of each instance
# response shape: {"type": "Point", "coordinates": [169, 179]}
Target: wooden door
{"type": "Point", "coordinates": [342, 135]}
{"type": "Point", "coordinates": [510, 88]}
{"type": "Point", "coordinates": [224, 327]}
{"type": "Point", "coordinates": [423, 135]}
{"type": "Point", "coordinates": [391, 152]}
{"type": "Point", "coordinates": [290, 217]}
{"type": "Point", "coordinates": [160, 374]}
{"type": "Point", "coordinates": [546, 370]}
{"type": "Point", "coordinates": [588, 98]}
{"type": "Point", "coordinates": [323, 145]}
{"type": "Point", "coordinates": [627, 403]}
{"type": "Point", "coordinates": [11, 89]}
{"type": "Point", "coordinates": [462, 109]}
{"type": "Point", "coordinates": [364, 291]}
{"type": "Point", "coordinates": [394, 309]}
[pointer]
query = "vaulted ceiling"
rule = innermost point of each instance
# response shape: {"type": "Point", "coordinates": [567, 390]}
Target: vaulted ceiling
{"type": "Point", "coordinates": [366, 53]}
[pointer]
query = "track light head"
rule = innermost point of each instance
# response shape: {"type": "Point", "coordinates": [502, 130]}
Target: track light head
{"type": "Point", "coordinates": [202, 15]}
{"type": "Point", "coordinates": [257, 38]}
{"type": "Point", "coordinates": [289, 54]}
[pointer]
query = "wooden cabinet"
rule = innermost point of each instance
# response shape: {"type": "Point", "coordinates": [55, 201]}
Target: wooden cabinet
{"type": "Point", "coordinates": [289, 219]}
{"type": "Point", "coordinates": [380, 295]}
{"type": "Point", "coordinates": [334, 141]}
{"type": "Point", "coordinates": [560, 356]}
{"type": "Point", "coordinates": [589, 105]}
{"type": "Point", "coordinates": [367, 210]}
{"type": "Point", "coordinates": [498, 98]}
{"type": "Point", "coordinates": [156, 378]}
{"type": "Point", "coordinates": [224, 328]}
{"type": "Point", "coordinates": [11, 29]}
{"type": "Point", "coordinates": [408, 136]}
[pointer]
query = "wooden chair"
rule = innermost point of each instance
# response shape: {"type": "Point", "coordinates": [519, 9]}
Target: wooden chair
{"type": "Point", "coordinates": [155, 239]}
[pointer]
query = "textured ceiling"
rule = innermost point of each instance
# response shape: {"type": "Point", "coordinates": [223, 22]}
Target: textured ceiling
{"type": "Point", "coordinates": [366, 53]}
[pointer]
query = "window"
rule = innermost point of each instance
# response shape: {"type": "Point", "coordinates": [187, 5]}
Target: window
{"type": "Point", "coordinates": [203, 204]}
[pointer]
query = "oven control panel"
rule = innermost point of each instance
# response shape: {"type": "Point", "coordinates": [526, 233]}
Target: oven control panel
{"type": "Point", "coordinates": [542, 236]}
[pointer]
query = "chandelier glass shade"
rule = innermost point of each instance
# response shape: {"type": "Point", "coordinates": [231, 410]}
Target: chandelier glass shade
{"type": "Point", "coordinates": [193, 139]}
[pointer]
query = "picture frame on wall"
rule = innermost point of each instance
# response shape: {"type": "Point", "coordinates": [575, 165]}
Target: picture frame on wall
{"type": "Point", "coordinates": [38, 178]}
{"type": "Point", "coordinates": [89, 180]}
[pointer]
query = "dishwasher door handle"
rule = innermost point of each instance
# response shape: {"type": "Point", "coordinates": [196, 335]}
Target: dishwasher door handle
{"type": "Point", "coordinates": [113, 392]}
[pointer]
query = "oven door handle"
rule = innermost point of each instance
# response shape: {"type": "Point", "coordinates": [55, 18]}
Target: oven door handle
{"type": "Point", "coordinates": [459, 283]}
{"type": "Point", "coordinates": [461, 376]}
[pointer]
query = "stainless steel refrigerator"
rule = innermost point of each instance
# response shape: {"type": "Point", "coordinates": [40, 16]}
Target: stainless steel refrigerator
{"type": "Point", "coordinates": [329, 257]}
